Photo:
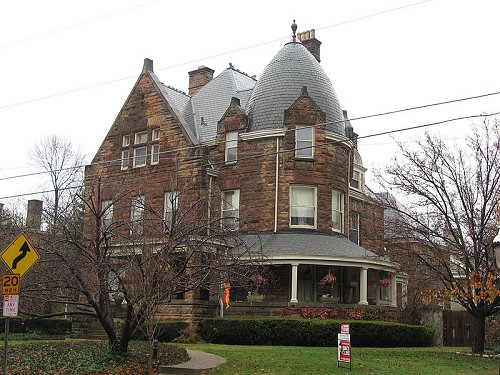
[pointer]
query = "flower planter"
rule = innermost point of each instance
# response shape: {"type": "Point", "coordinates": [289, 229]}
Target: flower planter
{"type": "Point", "coordinates": [329, 299]}
{"type": "Point", "coordinates": [255, 298]}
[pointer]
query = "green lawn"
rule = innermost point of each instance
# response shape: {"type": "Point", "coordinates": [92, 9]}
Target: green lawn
{"type": "Point", "coordinates": [277, 360]}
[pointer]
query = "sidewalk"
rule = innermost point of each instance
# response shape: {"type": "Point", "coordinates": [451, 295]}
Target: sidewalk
{"type": "Point", "coordinates": [197, 364]}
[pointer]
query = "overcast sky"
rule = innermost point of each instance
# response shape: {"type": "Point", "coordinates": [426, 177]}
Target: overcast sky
{"type": "Point", "coordinates": [66, 67]}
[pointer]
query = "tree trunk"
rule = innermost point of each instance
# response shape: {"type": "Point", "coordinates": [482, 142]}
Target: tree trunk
{"type": "Point", "coordinates": [478, 333]}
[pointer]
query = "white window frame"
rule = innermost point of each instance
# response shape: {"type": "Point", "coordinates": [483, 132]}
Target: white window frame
{"type": "Point", "coordinates": [155, 154]}
{"type": "Point", "coordinates": [137, 214]}
{"type": "Point", "coordinates": [304, 147]}
{"type": "Point", "coordinates": [106, 214]}
{"type": "Point", "coordinates": [155, 134]}
{"type": "Point", "coordinates": [357, 181]}
{"type": "Point", "coordinates": [294, 207]}
{"type": "Point", "coordinates": [170, 206]}
{"type": "Point", "coordinates": [230, 209]}
{"type": "Point", "coordinates": [140, 138]}
{"type": "Point", "coordinates": [125, 160]}
{"type": "Point", "coordinates": [338, 210]}
{"type": "Point", "coordinates": [140, 160]}
{"type": "Point", "coordinates": [354, 228]}
{"type": "Point", "coordinates": [126, 140]}
{"type": "Point", "coordinates": [231, 144]}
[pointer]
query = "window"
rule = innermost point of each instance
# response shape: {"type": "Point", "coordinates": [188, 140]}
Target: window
{"type": "Point", "coordinates": [356, 180]}
{"type": "Point", "coordinates": [337, 211]}
{"type": "Point", "coordinates": [231, 209]}
{"type": "Point", "coordinates": [107, 214]}
{"type": "Point", "coordinates": [231, 147]}
{"type": "Point", "coordinates": [126, 140]}
{"type": "Point", "coordinates": [170, 206]}
{"type": "Point", "coordinates": [303, 206]}
{"type": "Point", "coordinates": [155, 135]}
{"type": "Point", "coordinates": [140, 154]}
{"type": "Point", "coordinates": [137, 214]}
{"type": "Point", "coordinates": [155, 154]}
{"type": "Point", "coordinates": [304, 142]}
{"type": "Point", "coordinates": [354, 227]}
{"type": "Point", "coordinates": [141, 138]}
{"type": "Point", "coordinates": [124, 159]}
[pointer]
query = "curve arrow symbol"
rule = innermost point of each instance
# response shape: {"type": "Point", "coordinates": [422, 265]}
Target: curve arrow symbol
{"type": "Point", "coordinates": [24, 250]}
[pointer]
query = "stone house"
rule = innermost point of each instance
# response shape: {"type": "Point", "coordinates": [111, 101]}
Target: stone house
{"type": "Point", "coordinates": [278, 160]}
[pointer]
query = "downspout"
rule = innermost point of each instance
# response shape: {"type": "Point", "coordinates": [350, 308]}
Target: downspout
{"type": "Point", "coordinates": [276, 186]}
{"type": "Point", "coordinates": [209, 204]}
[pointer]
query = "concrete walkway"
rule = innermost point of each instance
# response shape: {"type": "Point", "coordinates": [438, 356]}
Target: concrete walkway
{"type": "Point", "coordinates": [198, 363]}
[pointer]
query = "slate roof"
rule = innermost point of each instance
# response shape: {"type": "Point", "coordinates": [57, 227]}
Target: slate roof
{"type": "Point", "coordinates": [281, 84]}
{"type": "Point", "coordinates": [212, 100]}
{"type": "Point", "coordinates": [307, 244]}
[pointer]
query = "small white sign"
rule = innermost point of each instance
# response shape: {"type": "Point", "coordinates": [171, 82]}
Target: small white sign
{"type": "Point", "coordinates": [344, 337]}
{"type": "Point", "coordinates": [10, 304]}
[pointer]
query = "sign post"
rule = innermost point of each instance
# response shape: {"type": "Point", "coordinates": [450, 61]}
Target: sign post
{"type": "Point", "coordinates": [19, 257]}
{"type": "Point", "coordinates": [344, 346]}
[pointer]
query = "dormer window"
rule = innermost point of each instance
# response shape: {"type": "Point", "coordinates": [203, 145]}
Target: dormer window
{"type": "Point", "coordinates": [304, 142]}
{"type": "Point", "coordinates": [357, 180]}
{"type": "Point", "coordinates": [141, 138]}
{"type": "Point", "coordinates": [231, 153]}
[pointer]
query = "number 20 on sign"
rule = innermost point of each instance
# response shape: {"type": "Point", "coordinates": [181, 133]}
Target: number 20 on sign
{"type": "Point", "coordinates": [11, 283]}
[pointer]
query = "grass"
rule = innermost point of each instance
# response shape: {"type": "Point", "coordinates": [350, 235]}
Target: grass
{"type": "Point", "coordinates": [91, 358]}
{"type": "Point", "coordinates": [288, 360]}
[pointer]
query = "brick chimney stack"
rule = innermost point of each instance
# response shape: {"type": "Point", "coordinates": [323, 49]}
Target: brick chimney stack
{"type": "Point", "coordinates": [199, 78]}
{"type": "Point", "coordinates": [34, 215]}
{"type": "Point", "coordinates": [308, 39]}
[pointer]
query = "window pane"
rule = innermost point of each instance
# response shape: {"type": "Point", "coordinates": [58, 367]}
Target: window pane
{"type": "Point", "coordinates": [141, 137]}
{"type": "Point", "coordinates": [107, 213]}
{"type": "Point", "coordinates": [124, 159]}
{"type": "Point", "coordinates": [231, 146]}
{"type": "Point", "coordinates": [155, 154]}
{"type": "Point", "coordinates": [303, 206]}
{"type": "Point", "coordinates": [137, 213]}
{"type": "Point", "coordinates": [231, 209]}
{"type": "Point", "coordinates": [304, 141]}
{"type": "Point", "coordinates": [156, 134]}
{"type": "Point", "coordinates": [126, 140]}
{"type": "Point", "coordinates": [337, 210]}
{"type": "Point", "coordinates": [140, 156]}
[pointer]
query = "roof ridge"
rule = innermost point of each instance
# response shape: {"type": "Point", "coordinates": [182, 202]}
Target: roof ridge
{"type": "Point", "coordinates": [173, 88]}
{"type": "Point", "coordinates": [231, 66]}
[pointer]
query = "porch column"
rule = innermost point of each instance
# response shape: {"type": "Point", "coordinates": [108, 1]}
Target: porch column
{"type": "Point", "coordinates": [293, 298]}
{"type": "Point", "coordinates": [394, 291]}
{"type": "Point", "coordinates": [363, 286]}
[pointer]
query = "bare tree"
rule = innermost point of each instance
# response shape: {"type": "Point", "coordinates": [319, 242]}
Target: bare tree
{"type": "Point", "coordinates": [145, 260]}
{"type": "Point", "coordinates": [64, 165]}
{"type": "Point", "coordinates": [452, 196]}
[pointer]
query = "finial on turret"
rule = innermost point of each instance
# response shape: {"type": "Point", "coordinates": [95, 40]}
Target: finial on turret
{"type": "Point", "coordinates": [294, 29]}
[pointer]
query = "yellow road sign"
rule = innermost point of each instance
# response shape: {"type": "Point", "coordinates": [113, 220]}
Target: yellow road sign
{"type": "Point", "coordinates": [11, 283]}
{"type": "Point", "coordinates": [20, 255]}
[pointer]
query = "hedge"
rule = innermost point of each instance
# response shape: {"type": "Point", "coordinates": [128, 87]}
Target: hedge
{"type": "Point", "coordinates": [314, 332]}
{"type": "Point", "coordinates": [165, 331]}
{"type": "Point", "coordinates": [49, 326]}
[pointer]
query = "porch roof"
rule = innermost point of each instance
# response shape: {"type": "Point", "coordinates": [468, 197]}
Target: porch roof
{"type": "Point", "coordinates": [307, 244]}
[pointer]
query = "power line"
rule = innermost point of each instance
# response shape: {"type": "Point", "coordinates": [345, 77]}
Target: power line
{"type": "Point", "coordinates": [62, 93]}
{"type": "Point", "coordinates": [320, 124]}
{"type": "Point", "coordinates": [328, 143]}
{"type": "Point", "coordinates": [75, 24]}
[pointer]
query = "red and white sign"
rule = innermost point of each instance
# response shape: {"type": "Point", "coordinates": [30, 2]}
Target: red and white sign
{"type": "Point", "coordinates": [344, 328]}
{"type": "Point", "coordinates": [344, 351]}
{"type": "Point", "coordinates": [10, 304]}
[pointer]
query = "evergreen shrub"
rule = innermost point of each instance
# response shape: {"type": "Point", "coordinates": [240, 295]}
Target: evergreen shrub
{"type": "Point", "coordinates": [312, 332]}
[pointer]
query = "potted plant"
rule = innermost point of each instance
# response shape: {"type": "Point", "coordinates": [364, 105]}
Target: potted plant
{"type": "Point", "coordinates": [258, 282]}
{"type": "Point", "coordinates": [327, 283]}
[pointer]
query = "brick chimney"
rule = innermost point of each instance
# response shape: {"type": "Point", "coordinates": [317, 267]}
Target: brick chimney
{"type": "Point", "coordinates": [308, 39]}
{"type": "Point", "coordinates": [34, 215]}
{"type": "Point", "coordinates": [199, 78]}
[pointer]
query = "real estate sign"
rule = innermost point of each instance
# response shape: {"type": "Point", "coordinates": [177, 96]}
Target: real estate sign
{"type": "Point", "coordinates": [344, 346]}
